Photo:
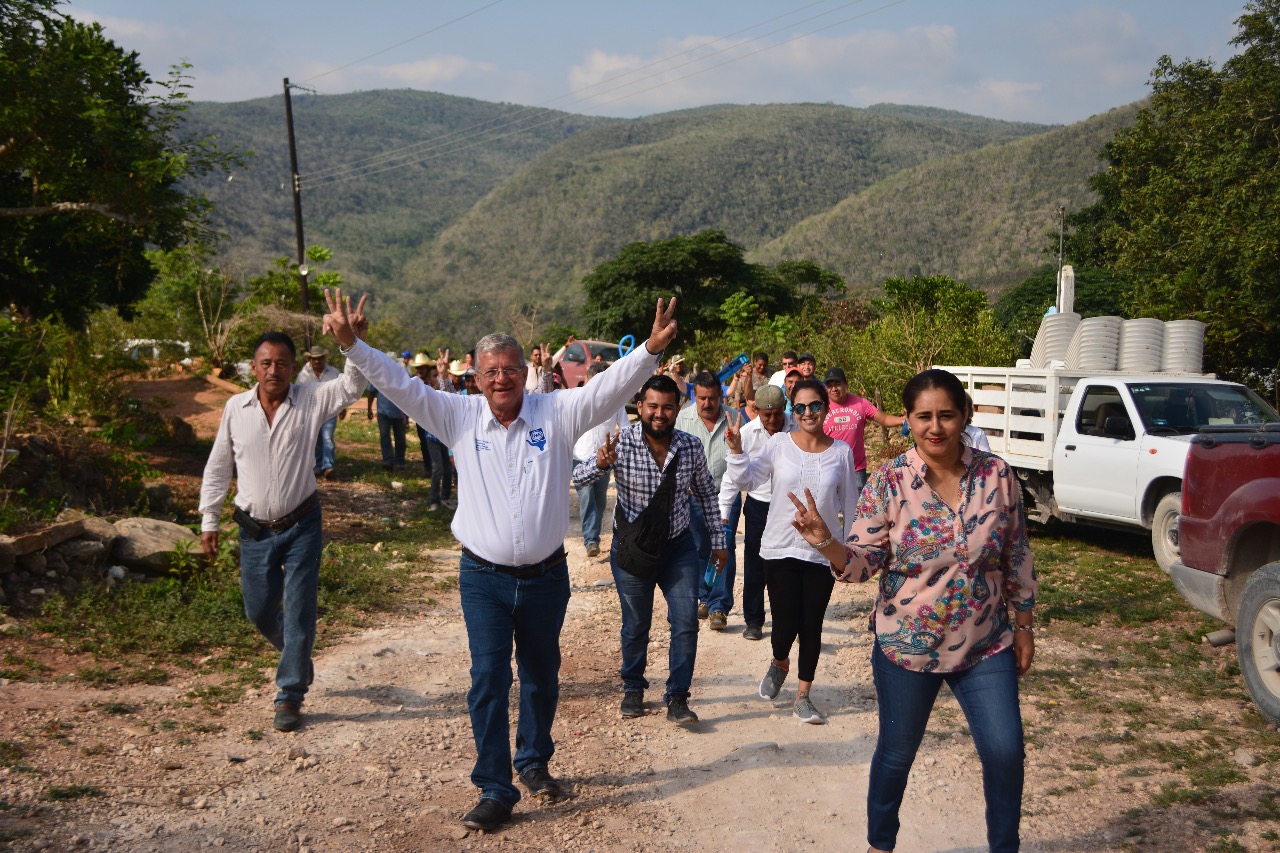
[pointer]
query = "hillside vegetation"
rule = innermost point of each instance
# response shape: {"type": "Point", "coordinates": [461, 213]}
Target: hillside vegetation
{"type": "Point", "coordinates": [983, 217]}
{"type": "Point", "coordinates": [751, 171]}
{"type": "Point", "coordinates": [373, 224]}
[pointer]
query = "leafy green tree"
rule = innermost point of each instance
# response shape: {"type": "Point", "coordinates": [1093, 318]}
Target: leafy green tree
{"type": "Point", "coordinates": [920, 322]}
{"type": "Point", "coordinates": [1099, 292]}
{"type": "Point", "coordinates": [1188, 205]}
{"type": "Point", "coordinates": [701, 271]}
{"type": "Point", "coordinates": [93, 169]}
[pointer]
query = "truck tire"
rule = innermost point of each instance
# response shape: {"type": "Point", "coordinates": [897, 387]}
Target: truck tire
{"type": "Point", "coordinates": [1258, 639]}
{"type": "Point", "coordinates": [1164, 530]}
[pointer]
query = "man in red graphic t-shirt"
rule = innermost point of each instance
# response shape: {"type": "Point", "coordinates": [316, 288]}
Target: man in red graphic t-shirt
{"type": "Point", "coordinates": [847, 419]}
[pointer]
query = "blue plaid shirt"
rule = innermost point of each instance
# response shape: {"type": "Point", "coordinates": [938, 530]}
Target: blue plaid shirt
{"type": "Point", "coordinates": [638, 477]}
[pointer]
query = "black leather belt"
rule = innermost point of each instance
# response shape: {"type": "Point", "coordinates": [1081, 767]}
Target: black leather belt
{"type": "Point", "coordinates": [532, 570]}
{"type": "Point", "coordinates": [277, 525]}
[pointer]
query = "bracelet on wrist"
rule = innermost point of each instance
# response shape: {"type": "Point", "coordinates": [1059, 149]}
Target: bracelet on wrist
{"type": "Point", "coordinates": [1029, 629]}
{"type": "Point", "coordinates": [824, 543]}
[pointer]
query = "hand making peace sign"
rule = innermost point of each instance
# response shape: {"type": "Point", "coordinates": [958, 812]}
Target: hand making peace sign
{"type": "Point", "coordinates": [608, 452]}
{"type": "Point", "coordinates": [342, 322]}
{"type": "Point", "coordinates": [664, 327]}
{"type": "Point", "coordinates": [733, 430]}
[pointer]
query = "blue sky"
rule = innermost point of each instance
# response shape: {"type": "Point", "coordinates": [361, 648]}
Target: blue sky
{"type": "Point", "coordinates": [1027, 60]}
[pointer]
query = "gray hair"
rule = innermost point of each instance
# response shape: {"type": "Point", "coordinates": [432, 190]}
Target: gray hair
{"type": "Point", "coordinates": [498, 342]}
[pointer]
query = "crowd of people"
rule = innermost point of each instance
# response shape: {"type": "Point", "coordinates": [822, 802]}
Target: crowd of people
{"type": "Point", "coordinates": [940, 527]}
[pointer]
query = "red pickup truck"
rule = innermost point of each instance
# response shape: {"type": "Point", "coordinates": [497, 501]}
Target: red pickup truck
{"type": "Point", "coordinates": [1229, 535]}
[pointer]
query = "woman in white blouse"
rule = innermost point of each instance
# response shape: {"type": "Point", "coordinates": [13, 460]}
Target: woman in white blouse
{"type": "Point", "coordinates": [798, 578]}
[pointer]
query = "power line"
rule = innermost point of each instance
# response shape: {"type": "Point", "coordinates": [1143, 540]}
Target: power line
{"type": "Point", "coordinates": [570, 96]}
{"type": "Point", "coordinates": [331, 178]}
{"type": "Point", "coordinates": [435, 29]}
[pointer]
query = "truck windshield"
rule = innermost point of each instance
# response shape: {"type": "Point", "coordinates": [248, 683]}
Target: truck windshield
{"type": "Point", "coordinates": [1173, 408]}
{"type": "Point", "coordinates": [609, 352]}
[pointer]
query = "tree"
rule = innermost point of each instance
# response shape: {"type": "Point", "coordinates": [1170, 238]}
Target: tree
{"type": "Point", "coordinates": [701, 271]}
{"type": "Point", "coordinates": [1187, 205]}
{"type": "Point", "coordinates": [1099, 292]}
{"type": "Point", "coordinates": [93, 170]}
{"type": "Point", "coordinates": [920, 322]}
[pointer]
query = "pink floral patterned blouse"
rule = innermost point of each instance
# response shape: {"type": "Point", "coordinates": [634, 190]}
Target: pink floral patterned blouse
{"type": "Point", "coordinates": [947, 578]}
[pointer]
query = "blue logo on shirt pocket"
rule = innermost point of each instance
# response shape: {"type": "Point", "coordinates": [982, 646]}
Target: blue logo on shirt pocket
{"type": "Point", "coordinates": [537, 438]}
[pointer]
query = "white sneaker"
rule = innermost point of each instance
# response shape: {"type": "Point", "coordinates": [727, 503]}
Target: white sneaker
{"type": "Point", "coordinates": [433, 507]}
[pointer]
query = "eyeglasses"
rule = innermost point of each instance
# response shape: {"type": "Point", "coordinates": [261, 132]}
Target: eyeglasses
{"type": "Point", "coordinates": [788, 363]}
{"type": "Point", "coordinates": [814, 408]}
{"type": "Point", "coordinates": [509, 372]}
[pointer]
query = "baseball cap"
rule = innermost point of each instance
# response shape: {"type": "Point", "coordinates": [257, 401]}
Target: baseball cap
{"type": "Point", "coordinates": [770, 397]}
{"type": "Point", "coordinates": [835, 374]}
{"type": "Point", "coordinates": [806, 356]}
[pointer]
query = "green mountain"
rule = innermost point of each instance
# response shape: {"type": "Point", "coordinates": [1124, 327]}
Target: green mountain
{"type": "Point", "coordinates": [751, 171]}
{"type": "Point", "coordinates": [373, 220]}
{"type": "Point", "coordinates": [983, 217]}
{"type": "Point", "coordinates": [458, 214]}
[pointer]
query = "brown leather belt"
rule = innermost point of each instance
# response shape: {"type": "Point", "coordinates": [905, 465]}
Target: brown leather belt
{"type": "Point", "coordinates": [532, 570]}
{"type": "Point", "coordinates": [285, 522]}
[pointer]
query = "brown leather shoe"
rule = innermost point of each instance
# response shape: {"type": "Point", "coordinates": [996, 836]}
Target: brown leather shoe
{"type": "Point", "coordinates": [288, 717]}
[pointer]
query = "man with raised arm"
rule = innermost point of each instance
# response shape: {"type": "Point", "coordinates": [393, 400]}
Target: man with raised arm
{"type": "Point", "coordinates": [512, 451]}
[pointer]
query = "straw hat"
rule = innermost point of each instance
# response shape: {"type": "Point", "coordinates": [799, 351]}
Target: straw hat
{"type": "Point", "coordinates": [457, 367]}
{"type": "Point", "coordinates": [420, 359]}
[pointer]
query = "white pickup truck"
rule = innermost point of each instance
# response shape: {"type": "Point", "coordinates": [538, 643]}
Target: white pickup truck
{"type": "Point", "coordinates": [1104, 448]}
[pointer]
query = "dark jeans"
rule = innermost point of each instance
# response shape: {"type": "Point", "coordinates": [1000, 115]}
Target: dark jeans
{"type": "Point", "coordinates": [441, 471]}
{"type": "Point", "coordinates": [678, 583]}
{"type": "Point", "coordinates": [280, 582]}
{"type": "Point", "coordinates": [798, 593]}
{"type": "Point", "coordinates": [325, 445]}
{"type": "Point", "coordinates": [389, 428]}
{"type": "Point", "coordinates": [499, 609]}
{"type": "Point", "coordinates": [988, 695]}
{"type": "Point", "coordinates": [720, 596]}
{"type": "Point", "coordinates": [426, 453]}
{"type": "Point", "coordinates": [753, 575]}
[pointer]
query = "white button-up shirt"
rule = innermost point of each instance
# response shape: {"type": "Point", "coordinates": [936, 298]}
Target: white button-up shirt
{"type": "Point", "coordinates": [754, 436]}
{"type": "Point", "coordinates": [272, 463]}
{"type": "Point", "coordinates": [513, 482]}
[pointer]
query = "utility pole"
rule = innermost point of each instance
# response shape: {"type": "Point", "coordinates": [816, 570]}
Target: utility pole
{"type": "Point", "coordinates": [1062, 226]}
{"type": "Point", "coordinates": [297, 201]}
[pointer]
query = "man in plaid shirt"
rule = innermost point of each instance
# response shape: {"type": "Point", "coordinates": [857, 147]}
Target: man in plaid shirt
{"type": "Point", "coordinates": [640, 456]}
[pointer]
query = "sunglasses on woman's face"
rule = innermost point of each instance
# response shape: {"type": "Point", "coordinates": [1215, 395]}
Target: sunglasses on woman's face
{"type": "Point", "coordinates": [814, 408]}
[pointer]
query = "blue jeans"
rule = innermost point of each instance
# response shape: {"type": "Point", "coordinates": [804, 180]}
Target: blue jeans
{"type": "Point", "coordinates": [498, 609]}
{"type": "Point", "coordinates": [441, 471]}
{"type": "Point", "coordinates": [389, 428]}
{"type": "Point", "coordinates": [988, 695]}
{"type": "Point", "coordinates": [280, 581]}
{"type": "Point", "coordinates": [591, 503]}
{"type": "Point", "coordinates": [753, 572]}
{"type": "Point", "coordinates": [678, 583]}
{"type": "Point", "coordinates": [324, 445]}
{"type": "Point", "coordinates": [720, 596]}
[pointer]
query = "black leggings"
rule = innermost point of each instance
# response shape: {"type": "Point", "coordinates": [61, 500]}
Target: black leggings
{"type": "Point", "coordinates": [798, 596]}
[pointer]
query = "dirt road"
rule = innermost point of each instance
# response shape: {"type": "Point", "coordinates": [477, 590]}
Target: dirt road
{"type": "Point", "coordinates": [383, 762]}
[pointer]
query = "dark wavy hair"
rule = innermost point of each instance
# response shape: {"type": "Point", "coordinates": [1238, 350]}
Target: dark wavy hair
{"type": "Point", "coordinates": [928, 380]}
{"type": "Point", "coordinates": [661, 383]}
{"type": "Point", "coordinates": [811, 385]}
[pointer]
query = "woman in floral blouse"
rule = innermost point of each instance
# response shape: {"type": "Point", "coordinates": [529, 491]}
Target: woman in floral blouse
{"type": "Point", "coordinates": [943, 527]}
